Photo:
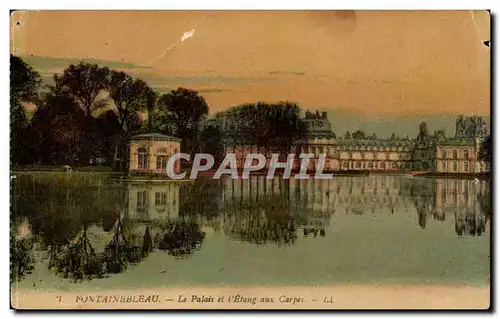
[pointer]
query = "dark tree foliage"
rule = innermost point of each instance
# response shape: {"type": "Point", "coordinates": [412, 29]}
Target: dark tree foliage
{"type": "Point", "coordinates": [269, 127]}
{"type": "Point", "coordinates": [24, 86]}
{"type": "Point", "coordinates": [180, 113]}
{"type": "Point", "coordinates": [358, 135]}
{"type": "Point", "coordinates": [486, 151]}
{"type": "Point", "coordinates": [84, 82]}
{"type": "Point", "coordinates": [210, 140]}
{"type": "Point", "coordinates": [59, 130]}
{"type": "Point", "coordinates": [129, 96]}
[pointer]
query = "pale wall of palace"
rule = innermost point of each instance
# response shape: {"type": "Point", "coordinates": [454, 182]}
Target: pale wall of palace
{"type": "Point", "coordinates": [458, 159]}
{"type": "Point", "coordinates": [150, 150]}
{"type": "Point", "coordinates": [379, 155]}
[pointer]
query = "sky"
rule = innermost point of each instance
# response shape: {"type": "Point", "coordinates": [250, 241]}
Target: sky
{"type": "Point", "coordinates": [363, 65]}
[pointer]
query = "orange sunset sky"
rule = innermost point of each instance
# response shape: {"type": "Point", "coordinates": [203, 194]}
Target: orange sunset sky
{"type": "Point", "coordinates": [368, 63]}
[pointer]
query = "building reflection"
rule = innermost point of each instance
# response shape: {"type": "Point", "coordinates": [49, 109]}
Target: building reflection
{"type": "Point", "coordinates": [312, 203]}
{"type": "Point", "coordinates": [260, 210]}
{"type": "Point", "coordinates": [153, 209]}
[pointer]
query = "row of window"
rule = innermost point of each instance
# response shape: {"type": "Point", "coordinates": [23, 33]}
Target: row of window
{"type": "Point", "coordinates": [455, 154]}
{"type": "Point", "coordinates": [454, 166]}
{"type": "Point", "coordinates": [161, 161]}
{"type": "Point", "coordinates": [160, 198]}
{"type": "Point", "coordinates": [375, 165]}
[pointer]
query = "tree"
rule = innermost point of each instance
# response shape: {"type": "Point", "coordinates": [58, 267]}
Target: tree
{"type": "Point", "coordinates": [211, 140]}
{"type": "Point", "coordinates": [486, 152]}
{"type": "Point", "coordinates": [24, 81]}
{"type": "Point", "coordinates": [84, 82]}
{"type": "Point", "coordinates": [269, 127]}
{"type": "Point", "coordinates": [358, 135]}
{"type": "Point", "coordinates": [151, 98]}
{"type": "Point", "coordinates": [24, 85]}
{"type": "Point", "coordinates": [183, 110]}
{"type": "Point", "coordinates": [347, 135]}
{"type": "Point", "coordinates": [59, 130]}
{"type": "Point", "coordinates": [129, 96]}
{"type": "Point", "coordinates": [393, 136]}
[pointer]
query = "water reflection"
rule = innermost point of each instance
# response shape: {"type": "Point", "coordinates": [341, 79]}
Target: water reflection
{"type": "Point", "coordinates": [87, 228]}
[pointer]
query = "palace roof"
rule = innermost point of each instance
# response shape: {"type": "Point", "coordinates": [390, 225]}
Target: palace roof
{"type": "Point", "coordinates": [155, 136]}
{"type": "Point", "coordinates": [457, 142]}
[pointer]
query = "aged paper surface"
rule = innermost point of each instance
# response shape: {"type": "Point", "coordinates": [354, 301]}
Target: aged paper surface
{"type": "Point", "coordinates": [250, 160]}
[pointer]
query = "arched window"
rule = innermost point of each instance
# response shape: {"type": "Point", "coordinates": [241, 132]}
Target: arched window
{"type": "Point", "coordinates": [466, 166]}
{"type": "Point", "coordinates": [143, 158]}
{"type": "Point", "coordinates": [161, 159]}
{"type": "Point", "coordinates": [466, 154]}
{"type": "Point", "coordinates": [358, 164]}
{"type": "Point", "coordinates": [443, 154]}
{"type": "Point", "coordinates": [455, 154]}
{"type": "Point", "coordinates": [455, 166]}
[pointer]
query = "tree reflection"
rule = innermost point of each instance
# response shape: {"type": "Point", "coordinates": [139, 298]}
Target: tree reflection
{"type": "Point", "coordinates": [121, 251]}
{"type": "Point", "coordinates": [264, 221]}
{"type": "Point", "coordinates": [22, 261]}
{"type": "Point", "coordinates": [180, 237]}
{"type": "Point", "coordinates": [79, 260]}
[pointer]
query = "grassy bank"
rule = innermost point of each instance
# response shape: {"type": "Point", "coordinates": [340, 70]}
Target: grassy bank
{"type": "Point", "coordinates": [54, 168]}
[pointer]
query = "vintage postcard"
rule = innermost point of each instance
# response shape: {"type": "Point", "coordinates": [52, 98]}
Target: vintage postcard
{"type": "Point", "coordinates": [250, 160]}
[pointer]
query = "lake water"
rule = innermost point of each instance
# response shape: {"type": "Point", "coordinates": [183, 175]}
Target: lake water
{"type": "Point", "coordinates": [87, 232]}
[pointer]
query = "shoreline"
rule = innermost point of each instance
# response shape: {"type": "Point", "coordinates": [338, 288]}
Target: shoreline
{"type": "Point", "coordinates": [277, 172]}
{"type": "Point", "coordinates": [342, 296]}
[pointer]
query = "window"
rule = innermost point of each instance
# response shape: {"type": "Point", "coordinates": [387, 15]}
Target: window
{"type": "Point", "coordinates": [443, 155]}
{"type": "Point", "coordinates": [345, 165]}
{"type": "Point", "coordinates": [466, 154]}
{"type": "Point", "coordinates": [382, 165]}
{"type": "Point", "coordinates": [422, 154]}
{"type": "Point", "coordinates": [394, 165]}
{"type": "Point", "coordinates": [466, 166]}
{"type": "Point", "coordinates": [160, 198]}
{"type": "Point", "coordinates": [455, 166]}
{"type": "Point", "coordinates": [142, 199]}
{"type": "Point", "coordinates": [370, 165]}
{"type": "Point", "coordinates": [143, 157]}
{"type": "Point", "coordinates": [161, 161]}
{"type": "Point", "coordinates": [443, 164]}
{"type": "Point", "coordinates": [455, 154]}
{"type": "Point", "coordinates": [358, 164]}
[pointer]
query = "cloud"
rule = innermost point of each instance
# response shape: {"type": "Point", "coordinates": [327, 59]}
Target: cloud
{"type": "Point", "coordinates": [286, 73]}
{"type": "Point", "coordinates": [43, 62]}
{"type": "Point", "coordinates": [213, 90]}
{"type": "Point", "coordinates": [155, 80]}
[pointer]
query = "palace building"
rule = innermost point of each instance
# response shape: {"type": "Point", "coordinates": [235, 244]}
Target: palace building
{"type": "Point", "coordinates": [428, 153]}
{"type": "Point", "coordinates": [150, 152]}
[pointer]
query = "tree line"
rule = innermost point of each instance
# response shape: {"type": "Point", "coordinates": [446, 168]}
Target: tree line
{"type": "Point", "coordinates": [89, 113]}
